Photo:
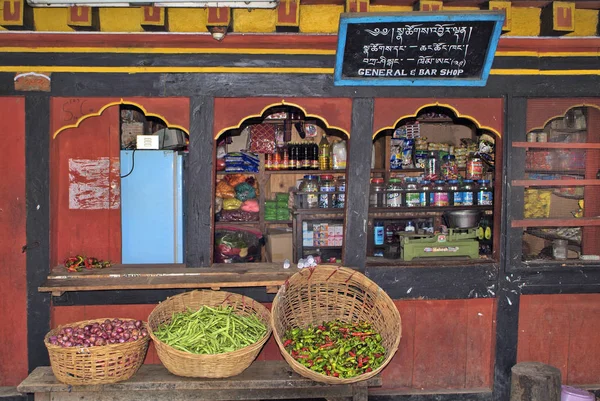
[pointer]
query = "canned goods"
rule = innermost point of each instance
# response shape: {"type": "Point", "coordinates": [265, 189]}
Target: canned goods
{"type": "Point", "coordinates": [531, 137]}
{"type": "Point", "coordinates": [542, 137]}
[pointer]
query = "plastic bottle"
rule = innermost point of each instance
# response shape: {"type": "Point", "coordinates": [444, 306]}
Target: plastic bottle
{"type": "Point", "coordinates": [378, 233]}
{"type": "Point", "coordinates": [426, 198]}
{"type": "Point", "coordinates": [394, 194]}
{"type": "Point", "coordinates": [326, 186]}
{"type": "Point", "coordinates": [410, 227]}
{"type": "Point", "coordinates": [411, 196]}
{"type": "Point", "coordinates": [376, 197]}
{"type": "Point", "coordinates": [474, 167]}
{"type": "Point", "coordinates": [455, 196]}
{"type": "Point", "coordinates": [310, 184]}
{"type": "Point", "coordinates": [432, 166]}
{"type": "Point", "coordinates": [340, 199]}
{"type": "Point", "coordinates": [467, 192]}
{"type": "Point", "coordinates": [485, 195]}
{"type": "Point", "coordinates": [440, 194]}
{"type": "Point", "coordinates": [449, 168]}
{"type": "Point", "coordinates": [324, 153]}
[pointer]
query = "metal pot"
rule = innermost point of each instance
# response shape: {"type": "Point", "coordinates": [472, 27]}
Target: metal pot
{"type": "Point", "coordinates": [462, 218]}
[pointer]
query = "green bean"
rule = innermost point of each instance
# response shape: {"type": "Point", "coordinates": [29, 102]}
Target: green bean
{"type": "Point", "coordinates": [211, 330]}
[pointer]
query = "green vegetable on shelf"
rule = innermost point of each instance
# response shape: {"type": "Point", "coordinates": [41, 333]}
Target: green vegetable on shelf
{"type": "Point", "coordinates": [336, 348]}
{"type": "Point", "coordinates": [211, 330]}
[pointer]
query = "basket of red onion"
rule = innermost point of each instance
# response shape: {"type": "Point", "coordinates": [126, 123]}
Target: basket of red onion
{"type": "Point", "coordinates": [97, 351]}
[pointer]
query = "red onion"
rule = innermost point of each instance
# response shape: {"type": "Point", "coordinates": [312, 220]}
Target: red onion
{"type": "Point", "coordinates": [115, 331]}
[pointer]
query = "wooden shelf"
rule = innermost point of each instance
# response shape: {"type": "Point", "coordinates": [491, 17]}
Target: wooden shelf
{"type": "Point", "coordinates": [306, 172]}
{"type": "Point", "coordinates": [581, 222]}
{"type": "Point", "coordinates": [554, 183]}
{"type": "Point", "coordinates": [573, 172]}
{"type": "Point", "coordinates": [556, 145]}
{"type": "Point", "coordinates": [272, 222]}
{"type": "Point", "coordinates": [435, 120]}
{"type": "Point", "coordinates": [236, 172]}
{"type": "Point", "coordinates": [147, 277]}
{"type": "Point", "coordinates": [237, 223]}
{"type": "Point", "coordinates": [321, 247]}
{"type": "Point", "coordinates": [425, 209]}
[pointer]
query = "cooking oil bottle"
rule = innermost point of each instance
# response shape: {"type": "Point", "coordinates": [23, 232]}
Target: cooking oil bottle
{"type": "Point", "coordinates": [324, 153]}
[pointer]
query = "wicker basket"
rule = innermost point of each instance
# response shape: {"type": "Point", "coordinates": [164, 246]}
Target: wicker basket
{"type": "Point", "coordinates": [207, 365]}
{"type": "Point", "coordinates": [326, 293]}
{"type": "Point", "coordinates": [95, 365]}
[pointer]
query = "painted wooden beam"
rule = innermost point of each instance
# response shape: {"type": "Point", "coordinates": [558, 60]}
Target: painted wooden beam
{"type": "Point", "coordinates": [505, 6]}
{"type": "Point", "coordinates": [357, 6]}
{"type": "Point", "coordinates": [153, 18]}
{"type": "Point", "coordinates": [430, 5]}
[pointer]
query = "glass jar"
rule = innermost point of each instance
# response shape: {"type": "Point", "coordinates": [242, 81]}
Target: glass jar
{"type": "Point", "coordinates": [454, 194]}
{"type": "Point", "coordinates": [340, 199]}
{"type": "Point", "coordinates": [376, 197]}
{"type": "Point", "coordinates": [394, 194]}
{"type": "Point", "coordinates": [432, 166]}
{"type": "Point", "coordinates": [310, 184]}
{"type": "Point", "coordinates": [449, 168]}
{"type": "Point", "coordinates": [412, 196]}
{"type": "Point", "coordinates": [440, 194]}
{"type": "Point", "coordinates": [485, 195]}
{"type": "Point", "coordinates": [467, 193]}
{"type": "Point", "coordinates": [326, 189]}
{"type": "Point", "coordinates": [474, 167]}
{"type": "Point", "coordinates": [425, 196]}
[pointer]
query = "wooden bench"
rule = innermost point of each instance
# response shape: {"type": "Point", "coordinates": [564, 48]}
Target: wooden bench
{"type": "Point", "coordinates": [263, 380]}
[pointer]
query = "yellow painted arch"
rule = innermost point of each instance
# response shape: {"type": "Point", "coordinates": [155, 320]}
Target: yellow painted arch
{"type": "Point", "coordinates": [283, 103]}
{"type": "Point", "coordinates": [595, 106]}
{"type": "Point", "coordinates": [106, 106]}
{"type": "Point", "coordinates": [437, 104]}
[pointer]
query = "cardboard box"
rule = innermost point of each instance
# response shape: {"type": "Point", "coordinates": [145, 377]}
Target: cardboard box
{"type": "Point", "coordinates": [279, 245]}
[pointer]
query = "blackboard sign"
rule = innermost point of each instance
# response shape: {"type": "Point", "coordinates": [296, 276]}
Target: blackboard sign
{"type": "Point", "coordinates": [417, 48]}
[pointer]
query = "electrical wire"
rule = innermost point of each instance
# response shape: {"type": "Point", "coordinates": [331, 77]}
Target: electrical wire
{"type": "Point", "coordinates": [132, 164]}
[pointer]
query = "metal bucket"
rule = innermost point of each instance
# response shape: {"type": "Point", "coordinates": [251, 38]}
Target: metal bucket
{"type": "Point", "coordinates": [462, 218]}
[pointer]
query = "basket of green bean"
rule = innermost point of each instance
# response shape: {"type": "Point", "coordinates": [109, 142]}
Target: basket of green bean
{"type": "Point", "coordinates": [334, 325]}
{"type": "Point", "coordinates": [212, 334]}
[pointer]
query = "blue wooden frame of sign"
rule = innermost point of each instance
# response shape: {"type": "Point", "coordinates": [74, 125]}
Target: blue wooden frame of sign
{"type": "Point", "coordinates": [417, 48]}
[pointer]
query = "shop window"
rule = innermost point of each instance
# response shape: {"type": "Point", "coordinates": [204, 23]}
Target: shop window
{"type": "Point", "coordinates": [280, 189]}
{"type": "Point", "coordinates": [433, 191]}
{"type": "Point", "coordinates": [151, 163]}
{"type": "Point", "coordinates": [561, 183]}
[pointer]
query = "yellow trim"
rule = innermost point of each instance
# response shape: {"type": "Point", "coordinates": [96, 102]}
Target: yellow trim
{"type": "Point", "coordinates": [166, 70]}
{"type": "Point", "coordinates": [533, 71]}
{"type": "Point", "coordinates": [161, 50]}
{"type": "Point", "coordinates": [249, 70]}
{"type": "Point", "coordinates": [438, 104]}
{"type": "Point", "coordinates": [106, 106]}
{"type": "Point", "coordinates": [283, 103]}
{"type": "Point", "coordinates": [563, 114]}
{"type": "Point", "coordinates": [203, 50]}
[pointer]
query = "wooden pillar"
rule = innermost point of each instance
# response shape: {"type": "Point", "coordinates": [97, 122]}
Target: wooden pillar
{"type": "Point", "coordinates": [535, 381]}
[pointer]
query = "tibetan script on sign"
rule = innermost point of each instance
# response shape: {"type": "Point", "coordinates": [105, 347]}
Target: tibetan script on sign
{"type": "Point", "coordinates": [416, 48]}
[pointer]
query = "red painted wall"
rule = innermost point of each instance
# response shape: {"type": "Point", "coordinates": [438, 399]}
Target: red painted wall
{"type": "Point", "coordinates": [562, 331]}
{"type": "Point", "coordinates": [444, 345]}
{"type": "Point", "coordinates": [13, 279]}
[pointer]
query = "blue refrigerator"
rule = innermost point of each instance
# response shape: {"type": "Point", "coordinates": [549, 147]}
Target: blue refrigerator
{"type": "Point", "coordinates": [151, 206]}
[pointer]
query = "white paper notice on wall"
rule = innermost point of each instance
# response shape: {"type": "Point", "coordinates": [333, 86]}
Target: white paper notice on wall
{"type": "Point", "coordinates": [94, 183]}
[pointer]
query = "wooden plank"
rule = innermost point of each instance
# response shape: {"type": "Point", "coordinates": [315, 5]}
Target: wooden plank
{"type": "Point", "coordinates": [555, 145]}
{"type": "Point", "coordinates": [359, 174]}
{"type": "Point", "coordinates": [13, 276]}
{"type": "Point", "coordinates": [163, 282]}
{"type": "Point", "coordinates": [260, 375]}
{"type": "Point", "coordinates": [584, 336]}
{"type": "Point", "coordinates": [555, 183]}
{"type": "Point", "coordinates": [37, 145]}
{"type": "Point", "coordinates": [199, 183]}
{"type": "Point", "coordinates": [581, 222]}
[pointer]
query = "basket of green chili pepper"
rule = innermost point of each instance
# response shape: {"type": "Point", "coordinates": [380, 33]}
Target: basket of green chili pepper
{"type": "Point", "coordinates": [334, 325]}
{"type": "Point", "coordinates": [206, 333]}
